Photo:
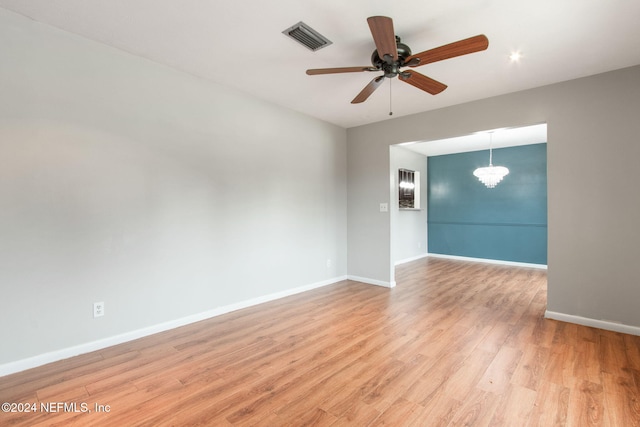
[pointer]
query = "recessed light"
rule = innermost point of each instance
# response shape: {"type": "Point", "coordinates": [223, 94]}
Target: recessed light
{"type": "Point", "coordinates": [515, 56]}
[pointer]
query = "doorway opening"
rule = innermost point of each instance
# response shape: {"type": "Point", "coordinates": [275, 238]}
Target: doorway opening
{"type": "Point", "coordinates": [461, 218]}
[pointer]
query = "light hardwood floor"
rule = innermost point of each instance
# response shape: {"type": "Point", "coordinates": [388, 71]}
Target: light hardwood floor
{"type": "Point", "coordinates": [455, 343]}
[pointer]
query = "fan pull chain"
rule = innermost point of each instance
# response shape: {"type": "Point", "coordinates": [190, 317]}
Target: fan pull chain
{"type": "Point", "coordinates": [390, 109]}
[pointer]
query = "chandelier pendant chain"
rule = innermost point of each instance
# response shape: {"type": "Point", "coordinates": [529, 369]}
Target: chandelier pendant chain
{"type": "Point", "coordinates": [490, 149]}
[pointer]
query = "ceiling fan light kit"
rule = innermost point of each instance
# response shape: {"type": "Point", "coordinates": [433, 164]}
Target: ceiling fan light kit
{"type": "Point", "coordinates": [391, 55]}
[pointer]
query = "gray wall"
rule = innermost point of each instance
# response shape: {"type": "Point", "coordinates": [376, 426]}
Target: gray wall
{"type": "Point", "coordinates": [130, 183]}
{"type": "Point", "coordinates": [156, 192]}
{"type": "Point", "coordinates": [409, 227]}
{"type": "Point", "coordinates": [593, 204]}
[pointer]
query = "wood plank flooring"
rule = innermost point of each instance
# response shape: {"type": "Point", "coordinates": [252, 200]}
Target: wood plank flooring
{"type": "Point", "coordinates": [454, 344]}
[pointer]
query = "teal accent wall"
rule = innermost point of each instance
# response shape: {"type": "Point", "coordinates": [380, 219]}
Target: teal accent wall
{"type": "Point", "coordinates": [508, 222]}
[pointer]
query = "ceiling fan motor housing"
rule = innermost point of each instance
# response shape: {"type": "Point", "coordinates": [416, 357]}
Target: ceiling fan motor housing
{"type": "Point", "coordinates": [390, 67]}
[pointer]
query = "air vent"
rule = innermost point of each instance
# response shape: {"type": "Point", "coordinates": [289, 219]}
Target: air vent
{"type": "Point", "coordinates": [307, 36]}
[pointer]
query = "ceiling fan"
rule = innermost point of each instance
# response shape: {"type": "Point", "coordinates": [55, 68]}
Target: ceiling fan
{"type": "Point", "coordinates": [391, 55]}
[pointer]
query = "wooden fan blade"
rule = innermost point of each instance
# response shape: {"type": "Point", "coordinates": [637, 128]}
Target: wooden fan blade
{"type": "Point", "coordinates": [383, 35]}
{"type": "Point", "coordinates": [316, 71]}
{"type": "Point", "coordinates": [451, 50]}
{"type": "Point", "coordinates": [423, 82]}
{"type": "Point", "coordinates": [368, 90]}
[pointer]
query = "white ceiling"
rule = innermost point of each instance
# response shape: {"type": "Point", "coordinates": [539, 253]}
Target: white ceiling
{"type": "Point", "coordinates": [497, 138]}
{"type": "Point", "coordinates": [240, 44]}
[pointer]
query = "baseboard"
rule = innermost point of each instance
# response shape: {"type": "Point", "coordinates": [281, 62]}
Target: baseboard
{"type": "Point", "coordinates": [415, 258]}
{"type": "Point", "coordinates": [600, 324]}
{"type": "Point", "coordinates": [372, 281]}
{"type": "Point", "coordinates": [65, 353]}
{"type": "Point", "coordinates": [489, 261]}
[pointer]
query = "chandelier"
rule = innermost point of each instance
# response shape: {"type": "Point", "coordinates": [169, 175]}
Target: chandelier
{"type": "Point", "coordinates": [491, 175]}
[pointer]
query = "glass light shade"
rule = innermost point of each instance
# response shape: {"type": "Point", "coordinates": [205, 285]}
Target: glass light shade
{"type": "Point", "coordinates": [407, 185]}
{"type": "Point", "coordinates": [491, 175]}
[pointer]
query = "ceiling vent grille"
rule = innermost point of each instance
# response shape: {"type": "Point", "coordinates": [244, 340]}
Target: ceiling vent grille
{"type": "Point", "coordinates": [307, 36]}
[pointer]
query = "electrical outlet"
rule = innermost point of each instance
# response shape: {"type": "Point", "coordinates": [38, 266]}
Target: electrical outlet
{"type": "Point", "coordinates": [328, 263]}
{"type": "Point", "coordinates": [98, 309]}
{"type": "Point", "coordinates": [384, 207]}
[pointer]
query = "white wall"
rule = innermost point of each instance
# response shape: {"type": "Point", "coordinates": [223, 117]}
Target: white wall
{"type": "Point", "coordinates": [593, 206]}
{"type": "Point", "coordinates": [409, 227]}
{"type": "Point", "coordinates": [161, 194]}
